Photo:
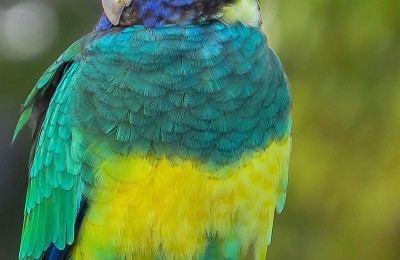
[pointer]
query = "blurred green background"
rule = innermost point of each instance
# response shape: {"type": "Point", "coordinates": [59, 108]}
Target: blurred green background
{"type": "Point", "coordinates": [343, 61]}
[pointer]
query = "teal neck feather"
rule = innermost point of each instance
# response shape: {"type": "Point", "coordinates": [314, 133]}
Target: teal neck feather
{"type": "Point", "coordinates": [206, 93]}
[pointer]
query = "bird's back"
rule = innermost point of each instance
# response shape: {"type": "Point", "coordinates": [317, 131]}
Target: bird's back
{"type": "Point", "coordinates": [159, 141]}
{"type": "Point", "coordinates": [189, 144]}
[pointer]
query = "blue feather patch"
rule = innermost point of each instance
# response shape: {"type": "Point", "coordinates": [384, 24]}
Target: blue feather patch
{"type": "Point", "coordinates": [103, 24]}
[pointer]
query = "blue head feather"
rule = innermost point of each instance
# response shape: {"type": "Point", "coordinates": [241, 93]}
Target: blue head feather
{"type": "Point", "coordinates": [103, 24]}
{"type": "Point", "coordinates": [155, 13]}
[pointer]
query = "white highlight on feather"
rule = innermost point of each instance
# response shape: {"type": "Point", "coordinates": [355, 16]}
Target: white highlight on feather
{"type": "Point", "coordinates": [114, 8]}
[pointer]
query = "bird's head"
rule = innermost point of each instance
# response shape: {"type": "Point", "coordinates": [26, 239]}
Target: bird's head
{"type": "Point", "coordinates": [155, 13]}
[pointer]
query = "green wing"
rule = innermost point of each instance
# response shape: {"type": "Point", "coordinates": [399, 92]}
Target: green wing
{"type": "Point", "coordinates": [55, 188]}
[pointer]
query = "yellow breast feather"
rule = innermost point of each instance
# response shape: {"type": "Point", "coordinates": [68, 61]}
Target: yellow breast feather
{"type": "Point", "coordinates": [146, 209]}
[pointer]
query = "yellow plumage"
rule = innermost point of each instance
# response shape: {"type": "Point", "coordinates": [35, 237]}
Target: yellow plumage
{"type": "Point", "coordinates": [244, 11]}
{"type": "Point", "coordinates": [144, 208]}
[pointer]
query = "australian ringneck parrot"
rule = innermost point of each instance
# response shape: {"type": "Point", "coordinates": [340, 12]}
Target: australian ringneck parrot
{"type": "Point", "coordinates": [165, 133]}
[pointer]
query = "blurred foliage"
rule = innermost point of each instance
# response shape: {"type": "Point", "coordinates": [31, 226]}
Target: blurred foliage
{"type": "Point", "coordinates": [343, 62]}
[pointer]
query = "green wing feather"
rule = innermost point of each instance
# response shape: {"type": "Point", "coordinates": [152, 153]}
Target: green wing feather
{"type": "Point", "coordinates": [50, 76]}
{"type": "Point", "coordinates": [55, 187]}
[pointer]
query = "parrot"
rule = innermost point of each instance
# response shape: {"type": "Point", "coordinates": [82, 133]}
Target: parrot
{"type": "Point", "coordinates": [165, 133]}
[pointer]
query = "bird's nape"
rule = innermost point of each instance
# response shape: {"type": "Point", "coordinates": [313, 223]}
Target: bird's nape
{"type": "Point", "coordinates": [156, 13]}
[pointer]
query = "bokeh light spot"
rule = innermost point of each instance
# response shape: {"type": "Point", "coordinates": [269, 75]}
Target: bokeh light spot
{"type": "Point", "coordinates": [29, 28]}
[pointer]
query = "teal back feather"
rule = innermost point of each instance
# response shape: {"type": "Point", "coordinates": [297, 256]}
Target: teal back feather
{"type": "Point", "coordinates": [206, 93]}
